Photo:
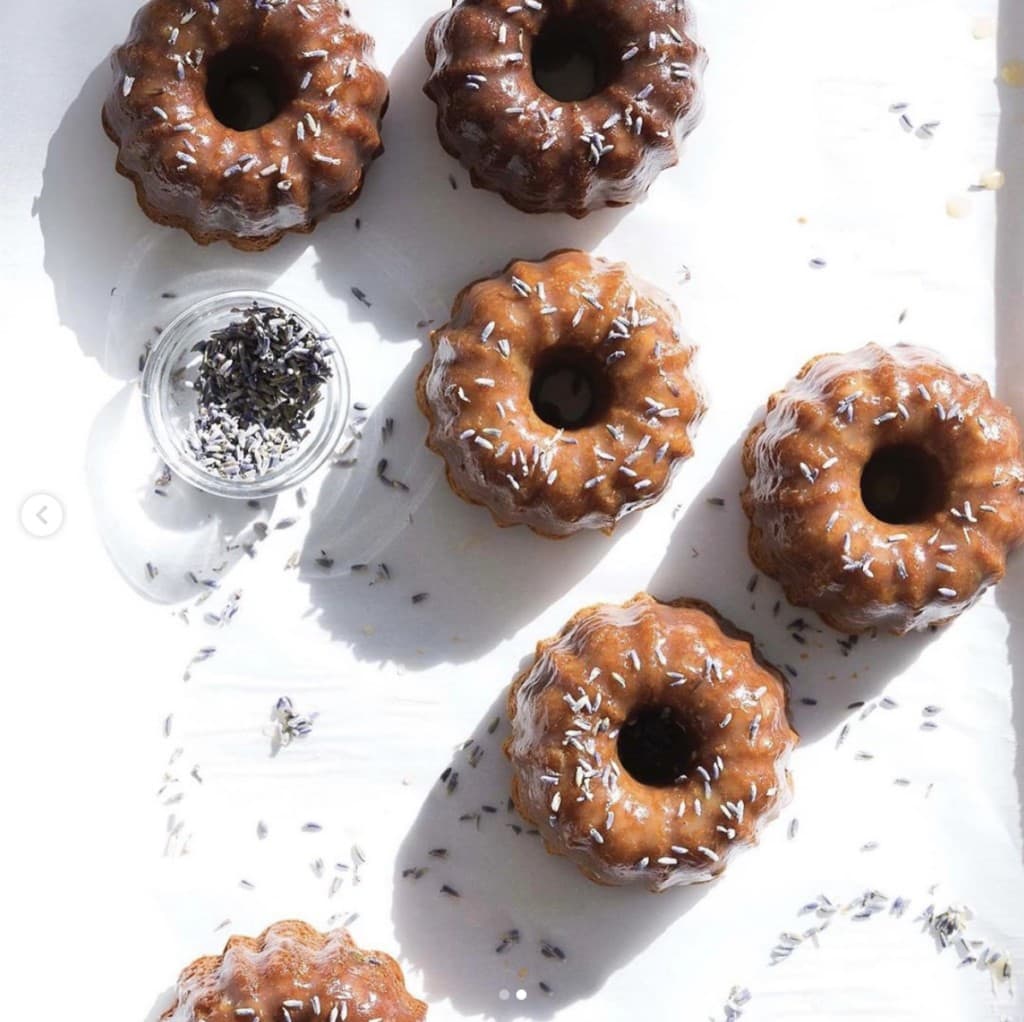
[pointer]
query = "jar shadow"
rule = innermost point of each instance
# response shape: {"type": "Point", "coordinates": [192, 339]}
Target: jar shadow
{"type": "Point", "coordinates": [831, 675]}
{"type": "Point", "coordinates": [116, 278]}
{"type": "Point", "coordinates": [490, 920]}
{"type": "Point", "coordinates": [170, 541]}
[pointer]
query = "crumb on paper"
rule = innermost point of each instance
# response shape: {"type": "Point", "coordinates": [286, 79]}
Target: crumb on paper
{"type": "Point", "coordinates": [992, 180]}
{"type": "Point", "coordinates": [983, 27]}
{"type": "Point", "coordinates": [1012, 73]}
{"type": "Point", "coordinates": [958, 207]}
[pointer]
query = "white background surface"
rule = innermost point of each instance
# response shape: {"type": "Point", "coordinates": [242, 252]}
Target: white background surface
{"type": "Point", "coordinates": [103, 905]}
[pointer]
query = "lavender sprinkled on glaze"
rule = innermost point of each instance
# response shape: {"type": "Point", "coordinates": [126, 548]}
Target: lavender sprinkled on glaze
{"type": "Point", "coordinates": [166, 58]}
{"type": "Point", "coordinates": [597, 751]}
{"type": "Point", "coordinates": [656, 102]}
{"type": "Point", "coordinates": [256, 979]}
{"type": "Point", "coordinates": [539, 460]}
{"type": "Point", "coordinates": [875, 548]}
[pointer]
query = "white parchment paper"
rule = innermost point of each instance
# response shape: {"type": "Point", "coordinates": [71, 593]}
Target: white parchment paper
{"type": "Point", "coordinates": [800, 158]}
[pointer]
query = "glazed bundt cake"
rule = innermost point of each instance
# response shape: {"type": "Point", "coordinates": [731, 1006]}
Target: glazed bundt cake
{"type": "Point", "coordinates": [885, 489]}
{"type": "Point", "coordinates": [242, 120]}
{"type": "Point", "coordinates": [650, 742]}
{"type": "Point", "coordinates": [565, 105]}
{"type": "Point", "coordinates": [561, 394]}
{"type": "Point", "coordinates": [293, 973]}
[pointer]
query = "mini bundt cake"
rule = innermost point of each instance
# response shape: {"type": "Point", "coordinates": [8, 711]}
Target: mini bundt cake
{"type": "Point", "coordinates": [561, 394]}
{"type": "Point", "coordinates": [294, 973]}
{"type": "Point", "coordinates": [244, 119]}
{"type": "Point", "coordinates": [650, 742]}
{"type": "Point", "coordinates": [885, 489]}
{"type": "Point", "coordinates": [565, 106]}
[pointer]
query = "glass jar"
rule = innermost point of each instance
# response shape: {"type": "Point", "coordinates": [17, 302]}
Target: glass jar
{"type": "Point", "coordinates": [169, 404]}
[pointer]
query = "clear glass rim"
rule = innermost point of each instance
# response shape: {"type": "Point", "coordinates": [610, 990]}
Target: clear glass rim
{"type": "Point", "coordinates": [167, 437]}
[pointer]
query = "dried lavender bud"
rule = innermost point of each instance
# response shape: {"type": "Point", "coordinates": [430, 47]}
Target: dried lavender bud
{"type": "Point", "coordinates": [257, 383]}
{"type": "Point", "coordinates": [289, 724]}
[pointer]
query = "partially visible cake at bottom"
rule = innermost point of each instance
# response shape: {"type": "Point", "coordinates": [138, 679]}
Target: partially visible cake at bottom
{"type": "Point", "coordinates": [292, 972]}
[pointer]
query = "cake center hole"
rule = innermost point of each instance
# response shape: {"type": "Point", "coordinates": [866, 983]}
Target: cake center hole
{"type": "Point", "coordinates": [569, 389]}
{"type": "Point", "coordinates": [245, 87]}
{"type": "Point", "coordinates": [570, 60]}
{"type": "Point", "coordinates": [903, 484]}
{"type": "Point", "coordinates": [654, 748]}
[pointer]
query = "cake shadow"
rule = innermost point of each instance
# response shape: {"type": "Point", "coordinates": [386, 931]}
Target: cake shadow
{"type": "Point", "coordinates": [95, 234]}
{"type": "Point", "coordinates": [1009, 302]}
{"type": "Point", "coordinates": [438, 581]}
{"type": "Point", "coordinates": [444, 232]}
{"type": "Point", "coordinates": [88, 216]}
{"type": "Point", "coordinates": [497, 926]}
{"type": "Point", "coordinates": [113, 272]}
{"type": "Point", "coordinates": [413, 575]}
{"type": "Point", "coordinates": [98, 244]}
{"type": "Point", "coordinates": [838, 673]}
{"type": "Point", "coordinates": [161, 1005]}
{"type": "Point", "coordinates": [95, 238]}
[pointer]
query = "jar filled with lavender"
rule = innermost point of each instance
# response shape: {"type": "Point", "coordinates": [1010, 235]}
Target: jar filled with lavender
{"type": "Point", "coordinates": [245, 395]}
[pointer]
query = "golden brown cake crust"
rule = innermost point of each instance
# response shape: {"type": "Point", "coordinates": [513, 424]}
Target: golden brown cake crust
{"type": "Point", "coordinates": [501, 454]}
{"type": "Point", "coordinates": [294, 973]}
{"type": "Point", "coordinates": [541, 154]}
{"type": "Point", "coordinates": [250, 187]}
{"type": "Point", "coordinates": [809, 527]}
{"type": "Point", "coordinates": [606, 665]}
